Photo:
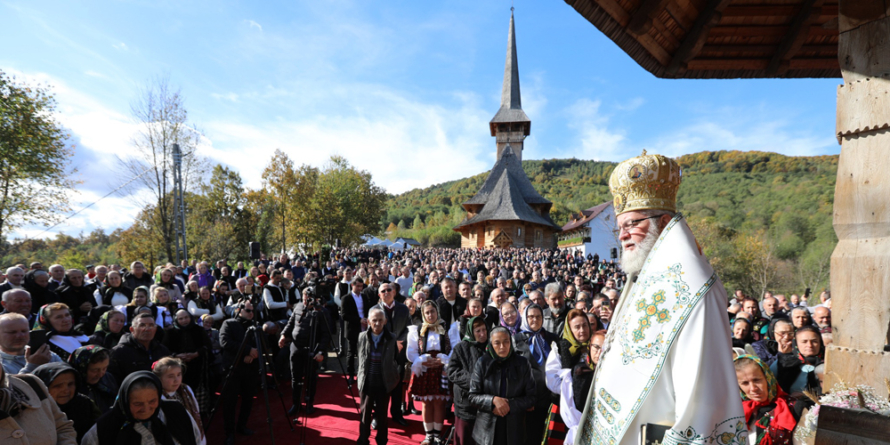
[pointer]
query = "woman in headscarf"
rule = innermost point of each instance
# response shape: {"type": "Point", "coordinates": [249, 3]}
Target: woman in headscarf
{"type": "Point", "coordinates": [502, 389]}
{"type": "Point", "coordinates": [576, 385]}
{"type": "Point", "coordinates": [191, 293]}
{"type": "Point", "coordinates": [115, 293]}
{"type": "Point", "coordinates": [796, 371]}
{"type": "Point", "coordinates": [109, 330]}
{"type": "Point", "coordinates": [534, 343]}
{"type": "Point", "coordinates": [741, 333]}
{"type": "Point", "coordinates": [460, 372]}
{"type": "Point", "coordinates": [62, 381]}
{"type": "Point", "coordinates": [570, 350]}
{"type": "Point", "coordinates": [206, 304]}
{"type": "Point", "coordinates": [189, 342]}
{"type": "Point", "coordinates": [140, 416]}
{"type": "Point", "coordinates": [91, 362]}
{"type": "Point", "coordinates": [61, 336]}
{"type": "Point", "coordinates": [27, 408]}
{"type": "Point", "coordinates": [168, 281]}
{"type": "Point", "coordinates": [429, 350]}
{"type": "Point", "coordinates": [769, 414]}
{"type": "Point", "coordinates": [169, 371]}
{"type": "Point", "coordinates": [779, 339]}
{"type": "Point", "coordinates": [458, 328]}
{"type": "Point", "coordinates": [36, 283]}
{"type": "Point", "coordinates": [160, 297]}
{"type": "Point", "coordinates": [508, 317]}
{"type": "Point", "coordinates": [141, 302]}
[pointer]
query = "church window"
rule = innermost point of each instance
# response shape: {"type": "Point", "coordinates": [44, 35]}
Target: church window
{"type": "Point", "coordinates": [519, 231]}
{"type": "Point", "coordinates": [539, 235]}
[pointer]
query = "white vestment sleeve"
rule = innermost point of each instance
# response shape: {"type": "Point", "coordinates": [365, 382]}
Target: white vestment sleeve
{"type": "Point", "coordinates": [454, 334]}
{"type": "Point", "coordinates": [553, 371]}
{"type": "Point", "coordinates": [701, 353]}
{"type": "Point", "coordinates": [567, 411]}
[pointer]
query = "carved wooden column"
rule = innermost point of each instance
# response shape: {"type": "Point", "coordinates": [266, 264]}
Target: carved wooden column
{"type": "Point", "coordinates": [860, 265]}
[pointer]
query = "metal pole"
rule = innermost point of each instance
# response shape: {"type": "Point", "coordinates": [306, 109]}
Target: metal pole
{"type": "Point", "coordinates": [179, 206]}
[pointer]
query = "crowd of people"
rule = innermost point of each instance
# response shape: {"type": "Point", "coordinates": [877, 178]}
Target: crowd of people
{"type": "Point", "coordinates": [501, 344]}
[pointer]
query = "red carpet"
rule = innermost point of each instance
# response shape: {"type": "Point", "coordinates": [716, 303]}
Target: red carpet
{"type": "Point", "coordinates": [334, 421]}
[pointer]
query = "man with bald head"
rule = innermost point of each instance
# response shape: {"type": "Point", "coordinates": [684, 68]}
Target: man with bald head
{"type": "Point", "coordinates": [822, 317]}
{"type": "Point", "coordinates": [14, 278]}
{"type": "Point", "coordinates": [17, 358]}
{"type": "Point", "coordinates": [497, 297]}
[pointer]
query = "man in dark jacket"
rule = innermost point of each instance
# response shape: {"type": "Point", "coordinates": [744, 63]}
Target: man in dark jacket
{"type": "Point", "coordinates": [502, 386]}
{"type": "Point", "coordinates": [137, 276]}
{"type": "Point", "coordinates": [243, 381]}
{"type": "Point", "coordinates": [398, 318]}
{"type": "Point", "coordinates": [138, 349]}
{"type": "Point", "coordinates": [308, 331]}
{"type": "Point", "coordinates": [451, 305]}
{"type": "Point", "coordinates": [377, 375]}
{"type": "Point", "coordinates": [555, 313]}
{"type": "Point", "coordinates": [354, 312]}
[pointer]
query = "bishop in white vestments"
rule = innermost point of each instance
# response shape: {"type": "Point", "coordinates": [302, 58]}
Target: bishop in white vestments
{"type": "Point", "coordinates": [667, 359]}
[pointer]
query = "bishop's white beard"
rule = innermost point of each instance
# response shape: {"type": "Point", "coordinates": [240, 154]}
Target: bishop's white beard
{"type": "Point", "coordinates": [632, 261]}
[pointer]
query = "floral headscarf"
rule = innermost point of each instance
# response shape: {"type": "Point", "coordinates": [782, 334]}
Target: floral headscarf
{"type": "Point", "coordinates": [469, 336]}
{"type": "Point", "coordinates": [80, 360]}
{"type": "Point", "coordinates": [781, 416]}
{"type": "Point", "coordinates": [576, 347]}
{"type": "Point", "coordinates": [436, 326]}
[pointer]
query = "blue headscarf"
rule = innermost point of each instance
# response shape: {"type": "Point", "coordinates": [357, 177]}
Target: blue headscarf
{"type": "Point", "coordinates": [539, 348]}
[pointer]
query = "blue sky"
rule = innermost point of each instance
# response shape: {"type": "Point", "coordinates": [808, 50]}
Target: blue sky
{"type": "Point", "coordinates": [404, 89]}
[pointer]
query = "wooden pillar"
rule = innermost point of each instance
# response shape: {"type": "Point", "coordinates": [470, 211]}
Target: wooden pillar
{"type": "Point", "coordinates": [860, 265]}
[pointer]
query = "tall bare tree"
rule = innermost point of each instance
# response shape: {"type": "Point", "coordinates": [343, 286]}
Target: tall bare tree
{"type": "Point", "coordinates": [163, 121]}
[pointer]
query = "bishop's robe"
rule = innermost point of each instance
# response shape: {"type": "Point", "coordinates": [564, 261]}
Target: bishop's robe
{"type": "Point", "coordinates": [667, 359]}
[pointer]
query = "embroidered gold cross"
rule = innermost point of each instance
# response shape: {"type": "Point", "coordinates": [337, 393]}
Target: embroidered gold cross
{"type": "Point", "coordinates": [650, 310]}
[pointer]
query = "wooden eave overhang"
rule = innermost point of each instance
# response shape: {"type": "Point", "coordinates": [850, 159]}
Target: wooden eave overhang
{"type": "Point", "coordinates": [722, 39]}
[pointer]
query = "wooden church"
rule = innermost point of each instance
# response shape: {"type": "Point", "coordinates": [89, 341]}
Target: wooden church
{"type": "Point", "coordinates": [508, 211]}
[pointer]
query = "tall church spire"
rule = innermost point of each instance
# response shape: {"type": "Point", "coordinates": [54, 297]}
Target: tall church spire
{"type": "Point", "coordinates": [510, 93]}
{"type": "Point", "coordinates": [510, 125]}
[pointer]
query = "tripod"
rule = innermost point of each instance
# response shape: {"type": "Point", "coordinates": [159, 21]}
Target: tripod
{"type": "Point", "coordinates": [263, 350]}
{"type": "Point", "coordinates": [311, 368]}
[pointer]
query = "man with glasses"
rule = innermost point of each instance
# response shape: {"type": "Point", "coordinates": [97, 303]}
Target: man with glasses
{"type": "Point", "coordinates": [398, 318]}
{"type": "Point", "coordinates": [671, 314]}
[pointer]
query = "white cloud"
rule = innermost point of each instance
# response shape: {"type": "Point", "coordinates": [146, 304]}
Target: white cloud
{"type": "Point", "coordinates": [595, 139]}
{"type": "Point", "coordinates": [254, 24]}
{"type": "Point", "coordinates": [121, 46]}
{"type": "Point", "coordinates": [231, 97]}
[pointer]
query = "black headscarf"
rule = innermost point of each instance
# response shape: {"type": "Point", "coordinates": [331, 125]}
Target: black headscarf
{"type": "Point", "coordinates": [118, 425]}
{"type": "Point", "coordinates": [80, 409]}
{"type": "Point", "coordinates": [40, 295]}
{"type": "Point", "coordinates": [108, 292]}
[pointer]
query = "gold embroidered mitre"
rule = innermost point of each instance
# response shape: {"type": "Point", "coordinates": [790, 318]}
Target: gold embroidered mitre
{"type": "Point", "coordinates": [647, 182]}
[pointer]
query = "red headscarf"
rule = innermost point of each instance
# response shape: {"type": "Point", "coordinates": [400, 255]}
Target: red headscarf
{"type": "Point", "coordinates": [782, 416]}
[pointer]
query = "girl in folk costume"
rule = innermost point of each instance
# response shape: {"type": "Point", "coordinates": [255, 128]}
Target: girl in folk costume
{"type": "Point", "coordinates": [572, 349]}
{"type": "Point", "coordinates": [169, 371]}
{"type": "Point", "coordinates": [429, 349]}
{"type": "Point", "coordinates": [769, 413]}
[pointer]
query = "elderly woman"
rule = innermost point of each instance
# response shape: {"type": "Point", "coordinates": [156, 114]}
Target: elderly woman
{"type": "Point", "coordinates": [769, 414]}
{"type": "Point", "coordinates": [460, 371]}
{"type": "Point", "coordinates": [576, 385]}
{"type": "Point", "coordinates": [534, 343]}
{"type": "Point", "coordinates": [741, 333]}
{"type": "Point", "coordinates": [190, 343]}
{"type": "Point", "coordinates": [779, 339]}
{"type": "Point", "coordinates": [29, 414]}
{"type": "Point", "coordinates": [206, 304]}
{"type": "Point", "coordinates": [61, 336]}
{"type": "Point", "coordinates": [139, 416]}
{"type": "Point", "coordinates": [115, 292]}
{"type": "Point", "coordinates": [571, 349]}
{"type": "Point", "coordinates": [109, 330]}
{"type": "Point", "coordinates": [796, 371]}
{"type": "Point", "coordinates": [91, 362]}
{"type": "Point", "coordinates": [502, 389]}
{"type": "Point", "coordinates": [429, 350]}
{"type": "Point", "coordinates": [62, 381]}
{"type": "Point", "coordinates": [36, 283]}
{"type": "Point", "coordinates": [509, 317]}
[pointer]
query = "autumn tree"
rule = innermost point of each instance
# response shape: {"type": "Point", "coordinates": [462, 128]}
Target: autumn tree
{"type": "Point", "coordinates": [218, 224]}
{"type": "Point", "coordinates": [34, 157]}
{"type": "Point", "coordinates": [163, 121]}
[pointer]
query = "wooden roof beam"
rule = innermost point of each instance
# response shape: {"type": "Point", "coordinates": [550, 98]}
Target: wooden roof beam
{"type": "Point", "coordinates": [794, 39]}
{"type": "Point", "coordinates": [773, 11]}
{"type": "Point", "coordinates": [641, 20]}
{"type": "Point", "coordinates": [697, 35]}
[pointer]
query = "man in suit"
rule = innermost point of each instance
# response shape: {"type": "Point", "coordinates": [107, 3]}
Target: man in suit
{"type": "Point", "coordinates": [14, 278]}
{"type": "Point", "coordinates": [354, 313]}
{"type": "Point", "coordinates": [451, 305]}
{"type": "Point", "coordinates": [56, 275]}
{"type": "Point", "coordinates": [398, 318]}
